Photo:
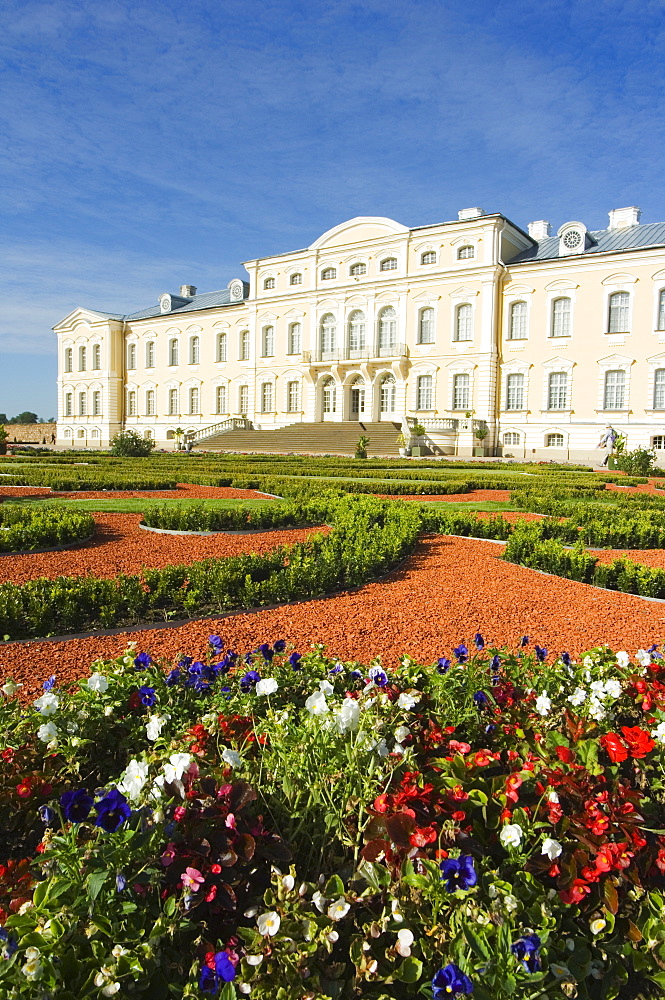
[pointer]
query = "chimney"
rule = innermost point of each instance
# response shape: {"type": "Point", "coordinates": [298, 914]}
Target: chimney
{"type": "Point", "coordinates": [465, 214]}
{"type": "Point", "coordinates": [540, 230]}
{"type": "Point", "coordinates": [623, 218]}
{"type": "Point", "coordinates": [187, 291]}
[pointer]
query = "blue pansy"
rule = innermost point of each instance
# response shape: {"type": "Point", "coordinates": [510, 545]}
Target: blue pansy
{"type": "Point", "coordinates": [216, 642]}
{"type": "Point", "coordinates": [173, 677]}
{"type": "Point", "coordinates": [378, 675]}
{"type": "Point", "coordinates": [565, 659]}
{"type": "Point", "coordinates": [76, 806]}
{"type": "Point", "coordinates": [266, 651]}
{"type": "Point", "coordinates": [443, 665]}
{"type": "Point", "coordinates": [524, 641]}
{"type": "Point", "coordinates": [337, 669]}
{"type": "Point", "coordinates": [479, 641]}
{"type": "Point", "coordinates": [49, 684]}
{"type": "Point", "coordinates": [356, 675]}
{"type": "Point", "coordinates": [148, 696]}
{"type": "Point", "coordinates": [8, 942]}
{"type": "Point", "coordinates": [458, 873]}
{"type": "Point", "coordinates": [495, 663]}
{"type": "Point", "coordinates": [279, 646]}
{"type": "Point", "coordinates": [541, 653]}
{"type": "Point", "coordinates": [112, 811]}
{"type": "Point", "coordinates": [143, 661]}
{"type": "Point", "coordinates": [224, 972]}
{"type": "Point", "coordinates": [185, 661]}
{"type": "Point", "coordinates": [461, 652]}
{"type": "Point", "coordinates": [526, 950]}
{"type": "Point", "coordinates": [120, 882]}
{"type": "Point", "coordinates": [480, 699]}
{"type": "Point", "coordinates": [47, 815]}
{"type": "Point", "coordinates": [450, 981]}
{"type": "Point", "coordinates": [250, 678]}
{"type": "Point", "coordinates": [294, 660]}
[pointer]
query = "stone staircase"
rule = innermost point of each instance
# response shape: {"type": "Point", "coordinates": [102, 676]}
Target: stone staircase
{"type": "Point", "coordinates": [309, 439]}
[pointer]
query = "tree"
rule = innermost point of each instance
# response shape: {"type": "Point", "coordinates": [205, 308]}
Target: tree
{"type": "Point", "coordinates": [129, 444]}
{"type": "Point", "coordinates": [27, 417]}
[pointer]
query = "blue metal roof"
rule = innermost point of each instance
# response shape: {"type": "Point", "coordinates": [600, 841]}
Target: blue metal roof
{"type": "Point", "coordinates": [604, 241]}
{"type": "Point", "coordinates": [207, 300]}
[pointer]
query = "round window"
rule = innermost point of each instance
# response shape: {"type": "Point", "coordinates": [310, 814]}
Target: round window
{"type": "Point", "coordinates": [572, 239]}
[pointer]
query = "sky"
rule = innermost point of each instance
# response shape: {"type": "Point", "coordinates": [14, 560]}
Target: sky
{"type": "Point", "coordinates": [152, 144]}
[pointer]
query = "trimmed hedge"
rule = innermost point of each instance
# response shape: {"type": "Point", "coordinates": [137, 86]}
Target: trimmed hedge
{"type": "Point", "coordinates": [25, 529]}
{"type": "Point", "coordinates": [200, 517]}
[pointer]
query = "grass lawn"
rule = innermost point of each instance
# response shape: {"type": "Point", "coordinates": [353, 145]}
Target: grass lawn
{"type": "Point", "coordinates": [136, 505]}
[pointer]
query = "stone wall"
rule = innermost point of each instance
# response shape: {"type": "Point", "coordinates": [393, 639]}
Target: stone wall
{"type": "Point", "coordinates": [30, 433]}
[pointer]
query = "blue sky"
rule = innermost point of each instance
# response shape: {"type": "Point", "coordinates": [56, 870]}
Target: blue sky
{"type": "Point", "coordinates": [148, 145]}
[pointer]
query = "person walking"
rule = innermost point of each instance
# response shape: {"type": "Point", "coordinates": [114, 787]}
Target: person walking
{"type": "Point", "coordinates": [608, 440]}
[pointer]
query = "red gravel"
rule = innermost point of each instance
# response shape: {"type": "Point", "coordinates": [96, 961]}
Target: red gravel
{"type": "Point", "coordinates": [449, 589]}
{"type": "Point", "coordinates": [185, 491]}
{"type": "Point", "coordinates": [474, 496]}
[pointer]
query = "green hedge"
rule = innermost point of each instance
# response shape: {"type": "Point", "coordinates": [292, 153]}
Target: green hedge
{"type": "Point", "coordinates": [29, 528]}
{"type": "Point", "coordinates": [201, 517]}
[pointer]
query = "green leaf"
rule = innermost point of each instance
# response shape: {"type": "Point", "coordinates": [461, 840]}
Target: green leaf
{"type": "Point", "coordinates": [477, 944]}
{"type": "Point", "coordinates": [95, 883]}
{"type": "Point", "coordinates": [410, 970]}
{"type": "Point", "coordinates": [334, 887]}
{"type": "Point", "coordinates": [228, 992]}
{"type": "Point", "coordinates": [169, 906]}
{"type": "Point", "coordinates": [658, 978]}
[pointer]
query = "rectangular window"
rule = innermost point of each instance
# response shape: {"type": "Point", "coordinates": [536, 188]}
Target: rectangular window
{"type": "Point", "coordinates": [618, 314]}
{"type": "Point", "coordinates": [293, 397]}
{"type": "Point", "coordinates": [150, 402]}
{"type": "Point", "coordinates": [150, 354]}
{"type": "Point", "coordinates": [268, 342]}
{"type": "Point", "coordinates": [96, 404]}
{"type": "Point", "coordinates": [557, 391]}
{"type": "Point", "coordinates": [97, 357]}
{"type": "Point", "coordinates": [661, 310]}
{"type": "Point", "coordinates": [615, 390]}
{"type": "Point", "coordinates": [194, 400]}
{"type": "Point", "coordinates": [131, 356]}
{"type": "Point", "coordinates": [424, 393]}
{"type": "Point", "coordinates": [81, 359]}
{"type": "Point", "coordinates": [426, 326]}
{"type": "Point", "coordinates": [295, 339]}
{"type": "Point", "coordinates": [554, 441]}
{"type": "Point", "coordinates": [131, 404]}
{"type": "Point", "coordinates": [194, 351]}
{"type": "Point", "coordinates": [518, 315]}
{"type": "Point", "coordinates": [461, 392]}
{"type": "Point", "coordinates": [68, 404]}
{"type": "Point", "coordinates": [244, 345]}
{"type": "Point", "coordinates": [220, 399]}
{"type": "Point", "coordinates": [221, 347]}
{"type": "Point", "coordinates": [561, 318]}
{"type": "Point", "coordinates": [659, 389]}
{"type": "Point", "coordinates": [173, 352]}
{"type": "Point", "coordinates": [511, 437]}
{"type": "Point", "coordinates": [515, 392]}
{"type": "Point", "coordinates": [266, 397]}
{"type": "Point", "coordinates": [173, 402]}
{"type": "Point", "coordinates": [658, 442]}
{"type": "Point", "coordinates": [243, 400]}
{"type": "Point", "coordinates": [82, 404]}
{"type": "Point", "coordinates": [68, 359]}
{"type": "Point", "coordinates": [463, 318]}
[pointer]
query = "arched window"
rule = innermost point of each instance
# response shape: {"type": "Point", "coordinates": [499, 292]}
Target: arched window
{"type": "Point", "coordinates": [243, 400]}
{"type": "Point", "coordinates": [69, 353]}
{"type": "Point", "coordinates": [96, 403]}
{"type": "Point", "coordinates": [388, 387]}
{"type": "Point", "coordinates": [429, 257]}
{"type": "Point", "coordinates": [515, 392]}
{"type": "Point", "coordinates": [131, 403]}
{"type": "Point", "coordinates": [131, 356]}
{"type": "Point", "coordinates": [295, 339]}
{"type": "Point", "coordinates": [329, 395]}
{"type": "Point", "coordinates": [266, 397]}
{"type": "Point", "coordinates": [661, 310]}
{"type": "Point", "coordinates": [466, 253]}
{"type": "Point", "coordinates": [147, 434]}
{"type": "Point", "coordinates": [95, 433]}
{"type": "Point", "coordinates": [463, 322]}
{"type": "Point", "coordinates": [659, 389]}
{"type": "Point", "coordinates": [173, 352]}
{"type": "Point", "coordinates": [269, 283]}
{"type": "Point", "coordinates": [328, 333]}
{"type": "Point", "coordinates": [426, 326]}
{"type": "Point", "coordinates": [244, 345]}
{"type": "Point", "coordinates": [618, 319]}
{"type": "Point", "coordinates": [150, 402]}
{"type": "Point", "coordinates": [221, 347]}
{"type": "Point", "coordinates": [614, 395]}
{"type": "Point", "coordinates": [268, 342]}
{"type": "Point", "coordinates": [150, 354]}
{"type": "Point", "coordinates": [357, 330]}
{"type": "Point", "coordinates": [424, 392]}
{"type": "Point", "coordinates": [461, 392]}
{"type": "Point", "coordinates": [83, 408]}
{"type": "Point", "coordinates": [388, 264]}
{"type": "Point", "coordinates": [220, 399]}
{"type": "Point", "coordinates": [328, 273]}
{"type": "Point", "coordinates": [561, 317]}
{"type": "Point", "coordinates": [96, 356]}
{"type": "Point", "coordinates": [557, 391]}
{"type": "Point", "coordinates": [511, 437]}
{"type": "Point", "coordinates": [296, 279]}
{"type": "Point", "coordinates": [68, 404]}
{"type": "Point", "coordinates": [194, 350]}
{"type": "Point", "coordinates": [293, 397]}
{"type": "Point", "coordinates": [194, 400]}
{"type": "Point", "coordinates": [554, 441]}
{"type": "Point", "coordinates": [81, 359]}
{"type": "Point", "coordinates": [174, 405]}
{"type": "Point", "coordinates": [357, 269]}
{"type": "Point", "coordinates": [518, 314]}
{"type": "Point", "coordinates": [387, 332]}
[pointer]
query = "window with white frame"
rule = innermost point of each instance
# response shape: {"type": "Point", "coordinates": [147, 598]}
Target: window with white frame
{"type": "Point", "coordinates": [295, 339]}
{"type": "Point", "coordinates": [68, 404]}
{"type": "Point", "coordinates": [463, 322]}
{"type": "Point", "coordinates": [357, 330]}
{"type": "Point", "coordinates": [194, 350]}
{"type": "Point", "coordinates": [131, 356]}
{"type": "Point", "coordinates": [83, 404]}
{"type": "Point", "coordinates": [614, 394]}
{"type": "Point", "coordinates": [220, 399]}
{"type": "Point", "coordinates": [518, 317]}
{"type": "Point", "coordinates": [131, 403]}
{"type": "Point", "coordinates": [269, 283]}
{"type": "Point", "coordinates": [515, 391]}
{"type": "Point", "coordinates": [268, 342]}
{"type": "Point", "coordinates": [554, 441]}
{"type": "Point", "coordinates": [659, 389]}
{"type": "Point", "coordinates": [426, 326]}
{"type": "Point", "coordinates": [96, 357]}
{"type": "Point", "coordinates": [658, 442]}
{"type": "Point", "coordinates": [461, 392]}
{"type": "Point", "coordinates": [388, 387]}
{"type": "Point", "coordinates": [561, 309]}
{"type": "Point", "coordinates": [328, 273]}
{"type": "Point", "coordinates": [243, 400]}
{"type": "Point", "coordinates": [429, 257]}
{"type": "Point", "coordinates": [69, 353]}
{"type": "Point", "coordinates": [661, 309]}
{"type": "Point", "coordinates": [424, 392]}
{"type": "Point", "coordinates": [387, 331]}
{"type": "Point", "coordinates": [296, 279]}
{"type": "Point", "coordinates": [357, 269]}
{"type": "Point", "coordinates": [618, 312]}
{"type": "Point", "coordinates": [293, 397]}
{"type": "Point", "coordinates": [266, 397]}
{"type": "Point", "coordinates": [150, 402]}
{"type": "Point", "coordinates": [511, 437]}
{"type": "Point", "coordinates": [466, 253]}
{"type": "Point", "coordinates": [147, 434]}
{"type": "Point", "coordinates": [173, 352]}
{"type": "Point", "coordinates": [221, 346]}
{"type": "Point", "coordinates": [329, 395]}
{"type": "Point", "coordinates": [194, 400]}
{"type": "Point", "coordinates": [95, 433]}
{"type": "Point", "coordinates": [82, 359]}
{"type": "Point", "coordinates": [150, 354]}
{"type": "Point", "coordinates": [328, 333]}
{"type": "Point", "coordinates": [96, 403]}
{"type": "Point", "coordinates": [557, 391]}
{"type": "Point", "coordinates": [173, 402]}
{"type": "Point", "coordinates": [68, 433]}
{"type": "Point", "coordinates": [388, 264]}
{"type": "Point", "coordinates": [244, 345]}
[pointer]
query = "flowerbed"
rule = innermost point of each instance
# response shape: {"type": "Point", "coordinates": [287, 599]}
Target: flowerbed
{"type": "Point", "coordinates": [290, 826]}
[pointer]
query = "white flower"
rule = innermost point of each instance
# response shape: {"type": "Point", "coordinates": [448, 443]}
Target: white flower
{"type": "Point", "coordinates": [155, 725]}
{"type": "Point", "coordinates": [47, 704]}
{"type": "Point", "coordinates": [659, 733]}
{"type": "Point", "coordinates": [97, 683]}
{"type": "Point", "coordinates": [407, 700]}
{"type": "Point", "coordinates": [288, 882]}
{"type": "Point", "coordinates": [326, 687]}
{"type": "Point", "coordinates": [316, 704]}
{"type": "Point", "coordinates": [178, 764]}
{"type": "Point", "coordinates": [108, 710]}
{"type": "Point", "coordinates": [48, 732]}
{"type": "Point", "coordinates": [552, 848]}
{"type": "Point", "coordinates": [578, 697]}
{"type": "Point", "coordinates": [511, 835]}
{"type": "Point", "coordinates": [32, 953]}
{"type": "Point", "coordinates": [623, 659]}
{"type": "Point", "coordinates": [643, 658]}
{"type": "Point", "coordinates": [381, 748]}
{"type": "Point", "coordinates": [543, 704]}
{"type": "Point", "coordinates": [597, 688]}
{"type": "Point", "coordinates": [133, 779]}
{"type": "Point", "coordinates": [10, 688]}
{"type": "Point", "coordinates": [404, 942]}
{"type": "Point", "coordinates": [118, 951]}
{"type": "Point", "coordinates": [613, 689]}
{"type": "Point", "coordinates": [510, 902]}
{"type": "Point", "coordinates": [32, 969]}
{"type": "Point", "coordinates": [401, 733]}
{"type": "Point", "coordinates": [319, 901]}
{"type": "Point", "coordinates": [231, 757]}
{"type": "Point", "coordinates": [268, 923]}
{"type": "Point", "coordinates": [267, 686]}
{"type": "Point", "coordinates": [553, 797]}
{"type": "Point", "coordinates": [597, 710]}
{"type": "Point", "coordinates": [339, 909]}
{"type": "Point", "coordinates": [347, 716]}
{"type": "Point", "coordinates": [597, 925]}
{"type": "Point", "coordinates": [111, 989]}
{"type": "Point", "coordinates": [253, 959]}
{"type": "Point", "coordinates": [588, 662]}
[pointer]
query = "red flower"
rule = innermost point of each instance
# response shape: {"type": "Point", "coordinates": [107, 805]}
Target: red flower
{"type": "Point", "coordinates": [24, 789]}
{"type": "Point", "coordinates": [639, 741]}
{"type": "Point", "coordinates": [564, 754]}
{"type": "Point", "coordinates": [458, 816]}
{"type": "Point", "coordinates": [576, 893]}
{"type": "Point", "coordinates": [614, 746]}
{"type": "Point", "coordinates": [423, 835]}
{"type": "Point", "coordinates": [462, 748]}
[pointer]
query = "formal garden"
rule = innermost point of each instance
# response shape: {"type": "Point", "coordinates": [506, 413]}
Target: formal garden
{"type": "Point", "coordinates": [318, 800]}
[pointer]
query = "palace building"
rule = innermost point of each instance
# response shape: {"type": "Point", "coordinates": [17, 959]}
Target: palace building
{"type": "Point", "coordinates": [541, 339]}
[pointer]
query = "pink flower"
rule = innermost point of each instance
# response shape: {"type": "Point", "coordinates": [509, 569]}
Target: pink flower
{"type": "Point", "coordinates": [168, 856]}
{"type": "Point", "coordinates": [230, 821]}
{"type": "Point", "coordinates": [192, 879]}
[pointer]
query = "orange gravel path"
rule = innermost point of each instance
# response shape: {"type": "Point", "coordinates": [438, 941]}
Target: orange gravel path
{"type": "Point", "coordinates": [445, 592]}
{"type": "Point", "coordinates": [184, 491]}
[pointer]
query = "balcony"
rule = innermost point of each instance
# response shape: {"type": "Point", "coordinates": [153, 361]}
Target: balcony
{"type": "Point", "coordinates": [436, 425]}
{"type": "Point", "coordinates": [350, 354]}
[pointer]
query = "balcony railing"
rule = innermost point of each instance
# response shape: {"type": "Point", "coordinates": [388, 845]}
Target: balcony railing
{"type": "Point", "coordinates": [444, 425]}
{"type": "Point", "coordinates": [369, 353]}
{"type": "Point", "coordinates": [231, 424]}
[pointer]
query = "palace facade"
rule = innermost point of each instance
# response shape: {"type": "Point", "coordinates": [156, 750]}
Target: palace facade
{"type": "Point", "coordinates": [542, 339]}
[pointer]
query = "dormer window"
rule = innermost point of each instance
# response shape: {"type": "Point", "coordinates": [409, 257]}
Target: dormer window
{"type": "Point", "coordinates": [269, 283]}
{"type": "Point", "coordinates": [296, 279]}
{"type": "Point", "coordinates": [572, 238]}
{"type": "Point", "coordinates": [357, 269]}
{"type": "Point", "coordinates": [466, 253]}
{"type": "Point", "coordinates": [328, 273]}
